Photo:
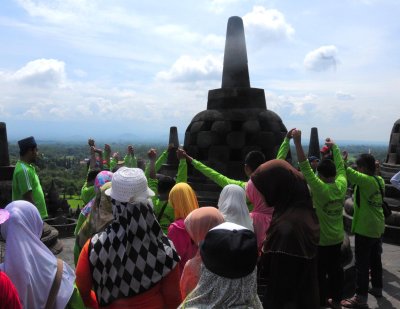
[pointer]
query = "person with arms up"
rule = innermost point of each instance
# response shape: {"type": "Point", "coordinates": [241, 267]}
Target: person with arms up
{"type": "Point", "coordinates": [328, 191]}
{"type": "Point", "coordinates": [25, 183]}
{"type": "Point", "coordinates": [368, 226]}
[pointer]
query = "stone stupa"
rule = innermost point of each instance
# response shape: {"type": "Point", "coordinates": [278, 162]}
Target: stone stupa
{"type": "Point", "coordinates": [237, 120]}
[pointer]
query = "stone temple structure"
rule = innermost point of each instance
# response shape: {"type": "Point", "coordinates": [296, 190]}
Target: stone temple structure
{"type": "Point", "coordinates": [237, 120]}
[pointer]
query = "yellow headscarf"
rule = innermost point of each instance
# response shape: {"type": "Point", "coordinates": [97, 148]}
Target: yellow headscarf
{"type": "Point", "coordinates": [183, 200]}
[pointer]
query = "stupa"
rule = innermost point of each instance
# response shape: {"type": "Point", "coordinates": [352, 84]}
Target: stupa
{"type": "Point", "coordinates": [237, 120]}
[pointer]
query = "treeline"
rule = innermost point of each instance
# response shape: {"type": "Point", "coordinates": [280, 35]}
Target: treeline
{"type": "Point", "coordinates": [65, 163]}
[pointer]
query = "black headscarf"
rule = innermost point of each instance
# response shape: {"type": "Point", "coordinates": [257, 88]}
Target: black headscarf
{"type": "Point", "coordinates": [294, 228]}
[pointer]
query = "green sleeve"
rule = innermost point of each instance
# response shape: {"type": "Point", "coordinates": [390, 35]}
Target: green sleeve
{"type": "Point", "coordinates": [182, 171]}
{"type": "Point", "coordinates": [283, 149]}
{"type": "Point", "coordinates": [339, 163]}
{"type": "Point", "coordinates": [130, 160]}
{"type": "Point", "coordinates": [113, 163]}
{"type": "Point", "coordinates": [356, 178]}
{"type": "Point", "coordinates": [87, 193]}
{"type": "Point", "coordinates": [160, 161]}
{"type": "Point", "coordinates": [219, 179]}
{"type": "Point", "coordinates": [312, 180]}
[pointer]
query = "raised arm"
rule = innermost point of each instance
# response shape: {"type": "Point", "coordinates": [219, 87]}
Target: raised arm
{"type": "Point", "coordinates": [285, 146]}
{"type": "Point", "coordinates": [212, 174]}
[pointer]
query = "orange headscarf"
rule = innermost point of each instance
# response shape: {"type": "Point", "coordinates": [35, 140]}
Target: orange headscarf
{"type": "Point", "coordinates": [183, 200]}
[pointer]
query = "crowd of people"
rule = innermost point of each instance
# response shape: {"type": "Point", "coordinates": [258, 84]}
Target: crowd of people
{"type": "Point", "coordinates": [142, 241]}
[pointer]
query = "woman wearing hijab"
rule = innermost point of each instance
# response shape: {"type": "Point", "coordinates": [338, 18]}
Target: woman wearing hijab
{"type": "Point", "coordinates": [183, 200]}
{"type": "Point", "coordinates": [228, 275]}
{"type": "Point", "coordinates": [197, 224]}
{"type": "Point", "coordinates": [101, 211]}
{"type": "Point", "coordinates": [289, 252]}
{"type": "Point", "coordinates": [261, 214]}
{"type": "Point", "coordinates": [232, 205]}
{"type": "Point", "coordinates": [30, 264]}
{"type": "Point", "coordinates": [131, 264]}
{"type": "Point", "coordinates": [101, 206]}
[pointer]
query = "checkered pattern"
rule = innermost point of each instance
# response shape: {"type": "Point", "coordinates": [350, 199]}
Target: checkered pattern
{"type": "Point", "coordinates": [131, 255]}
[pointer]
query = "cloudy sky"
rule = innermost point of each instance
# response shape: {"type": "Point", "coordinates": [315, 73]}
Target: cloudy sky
{"type": "Point", "coordinates": [80, 68]}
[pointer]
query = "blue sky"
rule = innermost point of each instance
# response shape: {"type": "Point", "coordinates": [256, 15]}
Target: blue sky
{"type": "Point", "coordinates": [110, 69]}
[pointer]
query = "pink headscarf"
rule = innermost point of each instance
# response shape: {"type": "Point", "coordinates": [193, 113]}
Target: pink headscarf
{"type": "Point", "coordinates": [197, 224]}
{"type": "Point", "coordinates": [261, 214]}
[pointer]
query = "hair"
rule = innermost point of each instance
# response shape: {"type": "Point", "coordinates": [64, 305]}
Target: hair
{"type": "Point", "coordinates": [183, 200]}
{"type": "Point", "coordinates": [24, 151]}
{"type": "Point", "coordinates": [254, 159]}
{"type": "Point", "coordinates": [367, 161]}
{"type": "Point", "coordinates": [92, 175]}
{"type": "Point", "coordinates": [165, 184]}
{"type": "Point", "coordinates": [326, 168]}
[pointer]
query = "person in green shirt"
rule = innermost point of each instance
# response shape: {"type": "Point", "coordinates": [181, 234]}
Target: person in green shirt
{"type": "Point", "coordinates": [368, 226]}
{"type": "Point", "coordinates": [328, 191]}
{"type": "Point", "coordinates": [162, 185]}
{"type": "Point", "coordinates": [25, 181]}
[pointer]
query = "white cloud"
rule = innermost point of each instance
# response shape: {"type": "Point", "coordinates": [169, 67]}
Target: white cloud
{"type": "Point", "coordinates": [296, 105]}
{"type": "Point", "coordinates": [213, 41]}
{"type": "Point", "coordinates": [218, 6]}
{"type": "Point", "coordinates": [267, 25]}
{"type": "Point", "coordinates": [188, 69]}
{"type": "Point", "coordinates": [41, 72]}
{"type": "Point", "coordinates": [342, 96]}
{"type": "Point", "coordinates": [322, 58]}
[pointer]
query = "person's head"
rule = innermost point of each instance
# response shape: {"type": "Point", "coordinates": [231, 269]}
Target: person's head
{"type": "Point", "coordinates": [91, 176]}
{"type": "Point", "coordinates": [129, 185]}
{"type": "Point", "coordinates": [232, 205]}
{"type": "Point", "coordinates": [366, 164]}
{"type": "Point", "coordinates": [326, 170]}
{"type": "Point", "coordinates": [314, 161]}
{"type": "Point", "coordinates": [165, 184]}
{"type": "Point", "coordinates": [229, 250]}
{"type": "Point", "coordinates": [28, 149]}
{"type": "Point", "coordinates": [253, 160]}
{"type": "Point", "coordinates": [22, 216]}
{"type": "Point", "coordinates": [102, 178]}
{"type": "Point", "coordinates": [183, 200]}
{"type": "Point", "coordinates": [281, 185]}
{"type": "Point", "coordinates": [200, 221]}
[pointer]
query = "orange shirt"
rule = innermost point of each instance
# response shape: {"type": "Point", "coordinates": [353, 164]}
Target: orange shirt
{"type": "Point", "coordinates": [165, 294]}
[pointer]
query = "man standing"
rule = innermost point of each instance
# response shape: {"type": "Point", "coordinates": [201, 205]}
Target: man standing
{"type": "Point", "coordinates": [25, 183]}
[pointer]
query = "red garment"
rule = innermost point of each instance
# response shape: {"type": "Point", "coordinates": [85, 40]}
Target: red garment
{"type": "Point", "coordinates": [184, 245]}
{"type": "Point", "coordinates": [9, 298]}
{"type": "Point", "coordinates": [191, 275]}
{"type": "Point", "coordinates": [165, 294]}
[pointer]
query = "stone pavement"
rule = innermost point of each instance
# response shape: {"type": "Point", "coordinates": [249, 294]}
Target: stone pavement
{"type": "Point", "coordinates": [391, 274]}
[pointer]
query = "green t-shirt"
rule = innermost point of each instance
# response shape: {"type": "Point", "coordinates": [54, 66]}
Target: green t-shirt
{"type": "Point", "coordinates": [24, 180]}
{"type": "Point", "coordinates": [368, 219]}
{"type": "Point", "coordinates": [328, 199]}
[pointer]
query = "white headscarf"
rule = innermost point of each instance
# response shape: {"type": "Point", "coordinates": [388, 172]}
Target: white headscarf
{"type": "Point", "coordinates": [232, 205]}
{"type": "Point", "coordinates": [213, 291]}
{"type": "Point", "coordinates": [28, 262]}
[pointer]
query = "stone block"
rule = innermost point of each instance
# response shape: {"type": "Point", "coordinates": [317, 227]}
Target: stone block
{"type": "Point", "coordinates": [206, 139]}
{"type": "Point", "coordinates": [266, 140]}
{"type": "Point", "coordinates": [236, 140]}
{"type": "Point", "coordinates": [221, 127]}
{"type": "Point", "coordinates": [251, 126]}
{"type": "Point", "coordinates": [218, 153]}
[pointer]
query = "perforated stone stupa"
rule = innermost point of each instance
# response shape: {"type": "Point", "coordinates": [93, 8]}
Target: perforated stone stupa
{"type": "Point", "coordinates": [237, 120]}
